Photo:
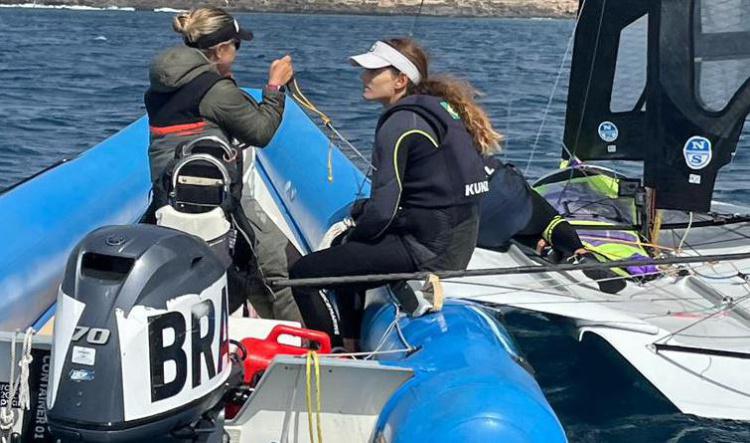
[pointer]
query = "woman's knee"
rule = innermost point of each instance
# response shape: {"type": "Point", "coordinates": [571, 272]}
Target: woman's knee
{"type": "Point", "coordinates": [302, 268]}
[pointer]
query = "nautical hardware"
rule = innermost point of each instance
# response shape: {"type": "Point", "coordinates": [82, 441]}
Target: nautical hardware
{"type": "Point", "coordinates": [141, 337]}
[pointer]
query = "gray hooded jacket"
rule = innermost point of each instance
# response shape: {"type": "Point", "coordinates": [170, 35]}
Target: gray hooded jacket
{"type": "Point", "coordinates": [228, 111]}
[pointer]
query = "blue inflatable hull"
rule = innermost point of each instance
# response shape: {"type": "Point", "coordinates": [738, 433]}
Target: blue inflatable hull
{"type": "Point", "coordinates": [468, 385]}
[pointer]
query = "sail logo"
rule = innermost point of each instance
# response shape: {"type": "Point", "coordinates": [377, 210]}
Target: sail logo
{"type": "Point", "coordinates": [697, 152]}
{"type": "Point", "coordinates": [608, 131]}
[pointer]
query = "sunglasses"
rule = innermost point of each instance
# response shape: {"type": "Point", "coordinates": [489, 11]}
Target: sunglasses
{"type": "Point", "coordinates": [237, 44]}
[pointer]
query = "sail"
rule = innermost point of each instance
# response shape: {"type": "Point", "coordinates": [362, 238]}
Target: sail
{"type": "Point", "coordinates": [664, 82]}
{"type": "Point", "coordinates": [699, 99]}
{"type": "Point", "coordinates": [605, 118]}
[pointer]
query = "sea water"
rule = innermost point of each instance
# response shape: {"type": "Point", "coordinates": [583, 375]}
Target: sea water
{"type": "Point", "coordinates": [69, 79]}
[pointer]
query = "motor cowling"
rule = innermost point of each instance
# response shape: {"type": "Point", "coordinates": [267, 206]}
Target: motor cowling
{"type": "Point", "coordinates": [140, 344]}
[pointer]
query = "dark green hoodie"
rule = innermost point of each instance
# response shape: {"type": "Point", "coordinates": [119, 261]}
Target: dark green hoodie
{"type": "Point", "coordinates": [228, 111]}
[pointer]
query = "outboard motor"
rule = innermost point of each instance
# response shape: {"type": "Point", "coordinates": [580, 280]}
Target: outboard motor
{"type": "Point", "coordinates": [140, 347]}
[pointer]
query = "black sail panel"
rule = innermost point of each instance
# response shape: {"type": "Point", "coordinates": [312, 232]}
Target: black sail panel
{"type": "Point", "coordinates": [699, 98]}
{"type": "Point", "coordinates": [605, 117]}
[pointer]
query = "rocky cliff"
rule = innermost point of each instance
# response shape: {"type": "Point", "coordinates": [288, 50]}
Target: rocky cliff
{"type": "Point", "coordinates": [485, 8]}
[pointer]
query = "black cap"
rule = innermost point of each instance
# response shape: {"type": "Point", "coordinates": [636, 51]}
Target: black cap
{"type": "Point", "coordinates": [230, 31]}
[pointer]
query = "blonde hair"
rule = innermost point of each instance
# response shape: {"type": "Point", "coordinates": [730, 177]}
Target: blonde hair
{"type": "Point", "coordinates": [196, 23]}
{"type": "Point", "coordinates": [459, 93]}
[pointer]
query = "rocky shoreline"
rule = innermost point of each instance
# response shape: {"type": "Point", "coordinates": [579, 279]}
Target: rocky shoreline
{"type": "Point", "coordinates": [452, 8]}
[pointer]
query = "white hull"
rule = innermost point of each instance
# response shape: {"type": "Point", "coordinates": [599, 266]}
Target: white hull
{"type": "Point", "coordinates": [688, 335]}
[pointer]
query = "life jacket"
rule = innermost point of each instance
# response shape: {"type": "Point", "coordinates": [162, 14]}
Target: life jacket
{"type": "Point", "coordinates": [453, 173]}
{"type": "Point", "coordinates": [507, 209]}
{"type": "Point", "coordinates": [178, 112]}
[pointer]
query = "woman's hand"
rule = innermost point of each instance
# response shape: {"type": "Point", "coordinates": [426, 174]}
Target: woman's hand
{"type": "Point", "coordinates": [281, 71]}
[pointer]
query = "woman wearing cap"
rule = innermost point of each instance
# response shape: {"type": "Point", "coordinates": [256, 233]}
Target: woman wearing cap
{"type": "Point", "coordinates": [423, 211]}
{"type": "Point", "coordinates": [193, 94]}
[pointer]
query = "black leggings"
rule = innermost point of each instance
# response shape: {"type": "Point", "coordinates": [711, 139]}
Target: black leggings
{"type": "Point", "coordinates": [548, 224]}
{"type": "Point", "coordinates": [386, 255]}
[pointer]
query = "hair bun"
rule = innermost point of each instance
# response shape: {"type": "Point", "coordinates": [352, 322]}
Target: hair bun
{"type": "Point", "coordinates": [182, 22]}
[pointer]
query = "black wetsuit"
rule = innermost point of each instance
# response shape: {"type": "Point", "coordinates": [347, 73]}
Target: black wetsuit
{"type": "Point", "coordinates": [423, 212]}
{"type": "Point", "coordinates": [512, 209]}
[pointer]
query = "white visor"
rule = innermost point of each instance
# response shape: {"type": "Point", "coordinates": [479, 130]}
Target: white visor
{"type": "Point", "coordinates": [381, 55]}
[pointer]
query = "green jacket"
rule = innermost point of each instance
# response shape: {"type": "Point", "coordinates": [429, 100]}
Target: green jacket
{"type": "Point", "coordinates": [228, 111]}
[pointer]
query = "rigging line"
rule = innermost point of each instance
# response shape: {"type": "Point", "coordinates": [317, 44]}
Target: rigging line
{"type": "Point", "coordinates": [416, 17]}
{"type": "Point", "coordinates": [737, 232]}
{"type": "Point", "coordinates": [388, 330]}
{"type": "Point", "coordinates": [541, 287]}
{"type": "Point", "coordinates": [306, 103]}
{"type": "Point", "coordinates": [365, 354]}
{"type": "Point", "coordinates": [687, 230]}
{"type": "Point", "coordinates": [509, 108]}
{"type": "Point", "coordinates": [570, 178]}
{"type": "Point", "coordinates": [544, 289]}
{"type": "Point", "coordinates": [728, 307]}
{"type": "Point", "coordinates": [591, 72]}
{"type": "Point", "coordinates": [742, 275]}
{"type": "Point", "coordinates": [714, 223]}
{"type": "Point", "coordinates": [631, 297]}
{"type": "Point", "coordinates": [554, 90]}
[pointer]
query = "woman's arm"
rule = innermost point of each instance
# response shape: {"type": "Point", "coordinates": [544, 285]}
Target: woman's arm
{"type": "Point", "coordinates": [240, 116]}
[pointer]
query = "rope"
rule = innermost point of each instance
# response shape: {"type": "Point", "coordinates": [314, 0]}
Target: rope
{"type": "Point", "coordinates": [8, 415]}
{"type": "Point", "coordinates": [727, 306]}
{"type": "Point", "coordinates": [416, 17]}
{"type": "Point", "coordinates": [554, 90]}
{"type": "Point", "coordinates": [306, 103]}
{"type": "Point", "coordinates": [687, 230]}
{"type": "Point", "coordinates": [312, 360]}
{"type": "Point", "coordinates": [373, 278]}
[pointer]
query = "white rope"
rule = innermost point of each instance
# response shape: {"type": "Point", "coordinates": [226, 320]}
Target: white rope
{"type": "Point", "coordinates": [8, 415]}
{"type": "Point", "coordinates": [687, 230]}
{"type": "Point", "coordinates": [388, 330]}
{"type": "Point", "coordinates": [24, 393]}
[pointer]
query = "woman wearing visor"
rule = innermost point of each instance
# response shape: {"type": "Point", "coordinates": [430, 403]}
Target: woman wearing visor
{"type": "Point", "coordinates": [192, 94]}
{"type": "Point", "coordinates": [428, 176]}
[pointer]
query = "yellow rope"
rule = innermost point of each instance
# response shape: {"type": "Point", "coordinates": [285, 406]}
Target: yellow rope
{"type": "Point", "coordinates": [307, 104]}
{"type": "Point", "coordinates": [312, 359]}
